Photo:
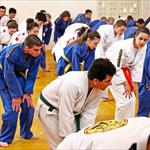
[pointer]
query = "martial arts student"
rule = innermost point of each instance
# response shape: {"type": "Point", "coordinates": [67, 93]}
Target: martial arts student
{"type": "Point", "coordinates": [109, 34]}
{"type": "Point", "coordinates": [84, 18]}
{"type": "Point", "coordinates": [69, 35]}
{"type": "Point", "coordinates": [144, 87]}
{"type": "Point", "coordinates": [18, 69]}
{"type": "Point", "coordinates": [80, 50]}
{"type": "Point", "coordinates": [128, 56]}
{"type": "Point", "coordinates": [61, 23]}
{"type": "Point", "coordinates": [19, 37]}
{"type": "Point", "coordinates": [3, 16]}
{"type": "Point", "coordinates": [70, 102]}
{"type": "Point", "coordinates": [125, 134]}
{"type": "Point", "coordinates": [47, 30]}
{"type": "Point", "coordinates": [40, 19]}
{"type": "Point", "coordinates": [6, 33]}
{"type": "Point", "coordinates": [11, 16]}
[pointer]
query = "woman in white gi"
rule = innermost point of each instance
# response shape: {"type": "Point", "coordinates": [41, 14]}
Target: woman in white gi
{"type": "Point", "coordinates": [70, 102]}
{"type": "Point", "coordinates": [126, 134]}
{"type": "Point", "coordinates": [109, 34]}
{"type": "Point", "coordinates": [129, 54]}
{"type": "Point", "coordinates": [69, 35]}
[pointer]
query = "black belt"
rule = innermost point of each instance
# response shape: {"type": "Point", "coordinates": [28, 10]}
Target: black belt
{"type": "Point", "coordinates": [47, 103]}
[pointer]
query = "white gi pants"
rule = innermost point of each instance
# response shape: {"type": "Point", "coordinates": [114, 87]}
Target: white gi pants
{"type": "Point", "coordinates": [125, 107]}
{"type": "Point", "coordinates": [49, 123]}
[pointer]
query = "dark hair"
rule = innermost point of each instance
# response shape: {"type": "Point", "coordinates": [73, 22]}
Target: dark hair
{"type": "Point", "coordinates": [42, 11]}
{"type": "Point", "coordinates": [88, 11]}
{"type": "Point", "coordinates": [120, 23]}
{"type": "Point", "coordinates": [92, 34]}
{"type": "Point", "coordinates": [100, 69]}
{"type": "Point", "coordinates": [140, 21]}
{"type": "Point", "coordinates": [65, 14]}
{"type": "Point", "coordinates": [143, 30]}
{"type": "Point", "coordinates": [83, 34]}
{"type": "Point", "coordinates": [12, 11]}
{"type": "Point", "coordinates": [29, 20]}
{"type": "Point", "coordinates": [32, 40]}
{"type": "Point", "coordinates": [12, 24]}
{"type": "Point", "coordinates": [2, 7]}
{"type": "Point", "coordinates": [129, 17]}
{"type": "Point", "coordinates": [103, 18]}
{"type": "Point", "coordinates": [32, 25]}
{"type": "Point", "coordinates": [41, 17]}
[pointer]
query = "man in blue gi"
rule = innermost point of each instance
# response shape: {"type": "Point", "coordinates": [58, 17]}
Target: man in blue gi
{"type": "Point", "coordinates": [84, 18]}
{"type": "Point", "coordinates": [144, 87]}
{"type": "Point", "coordinates": [18, 70]}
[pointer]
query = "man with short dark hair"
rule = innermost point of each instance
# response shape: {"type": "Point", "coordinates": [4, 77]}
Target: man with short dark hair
{"type": "Point", "coordinates": [18, 69]}
{"type": "Point", "coordinates": [2, 11]}
{"type": "Point", "coordinates": [84, 18]}
{"type": "Point", "coordinates": [3, 15]}
{"type": "Point", "coordinates": [70, 102]}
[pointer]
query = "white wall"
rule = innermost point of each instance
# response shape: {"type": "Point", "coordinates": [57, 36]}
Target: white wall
{"type": "Point", "coordinates": [28, 8]}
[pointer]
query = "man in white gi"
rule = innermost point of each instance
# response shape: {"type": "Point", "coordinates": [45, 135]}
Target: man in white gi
{"type": "Point", "coordinates": [69, 35]}
{"type": "Point", "coordinates": [128, 56]}
{"type": "Point", "coordinates": [125, 134]}
{"type": "Point", "coordinates": [109, 34]}
{"type": "Point", "coordinates": [70, 102]}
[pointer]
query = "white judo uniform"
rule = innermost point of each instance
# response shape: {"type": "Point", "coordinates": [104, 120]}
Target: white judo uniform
{"type": "Point", "coordinates": [134, 59]}
{"type": "Point", "coordinates": [133, 133]}
{"type": "Point", "coordinates": [5, 37]}
{"type": "Point", "coordinates": [23, 29]}
{"type": "Point", "coordinates": [69, 95]}
{"type": "Point", "coordinates": [108, 37]}
{"type": "Point", "coordinates": [148, 26]}
{"type": "Point", "coordinates": [18, 37]}
{"type": "Point", "coordinates": [5, 19]}
{"type": "Point", "coordinates": [70, 34]}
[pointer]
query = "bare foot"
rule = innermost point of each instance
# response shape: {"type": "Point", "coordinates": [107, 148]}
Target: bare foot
{"type": "Point", "coordinates": [35, 136]}
{"type": "Point", "coordinates": [3, 144]}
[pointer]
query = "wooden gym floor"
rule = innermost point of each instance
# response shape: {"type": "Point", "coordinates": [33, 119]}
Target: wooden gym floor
{"type": "Point", "coordinates": [105, 112]}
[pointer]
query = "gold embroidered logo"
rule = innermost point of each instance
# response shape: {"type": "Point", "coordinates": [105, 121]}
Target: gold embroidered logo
{"type": "Point", "coordinates": [104, 126]}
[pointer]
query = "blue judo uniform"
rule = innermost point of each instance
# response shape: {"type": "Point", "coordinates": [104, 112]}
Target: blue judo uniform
{"type": "Point", "coordinates": [60, 26]}
{"type": "Point", "coordinates": [94, 25]}
{"type": "Point", "coordinates": [131, 29]}
{"type": "Point", "coordinates": [81, 19]}
{"type": "Point", "coordinates": [73, 56]}
{"type": "Point", "coordinates": [17, 77]}
{"type": "Point", "coordinates": [144, 94]}
{"type": "Point", "coordinates": [47, 30]}
{"type": "Point", "coordinates": [147, 21]}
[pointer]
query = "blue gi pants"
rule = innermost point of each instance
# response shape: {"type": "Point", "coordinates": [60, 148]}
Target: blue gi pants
{"type": "Point", "coordinates": [10, 117]}
{"type": "Point", "coordinates": [43, 59]}
{"type": "Point", "coordinates": [144, 101]}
